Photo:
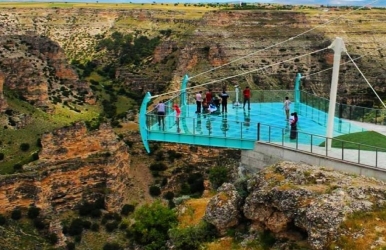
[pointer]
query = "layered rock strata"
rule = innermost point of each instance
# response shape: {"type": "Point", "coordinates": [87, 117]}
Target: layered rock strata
{"type": "Point", "coordinates": [74, 166]}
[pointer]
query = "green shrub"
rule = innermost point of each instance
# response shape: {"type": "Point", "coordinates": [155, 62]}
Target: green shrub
{"type": "Point", "coordinates": [33, 212]}
{"type": "Point", "coordinates": [17, 167]}
{"type": "Point", "coordinates": [24, 147]}
{"type": "Point", "coordinates": [35, 156]}
{"type": "Point", "coordinates": [154, 191]}
{"type": "Point", "coordinates": [111, 226]}
{"type": "Point", "coordinates": [3, 220]}
{"type": "Point", "coordinates": [172, 155]}
{"type": "Point", "coordinates": [52, 238]}
{"type": "Point", "coordinates": [96, 213]}
{"type": "Point", "coordinates": [158, 166]}
{"type": "Point", "coordinates": [86, 224]}
{"type": "Point", "coordinates": [127, 209]}
{"type": "Point", "coordinates": [95, 227]}
{"type": "Point", "coordinates": [39, 143]}
{"type": "Point", "coordinates": [159, 156]}
{"type": "Point", "coordinates": [218, 175]}
{"type": "Point", "coordinates": [78, 238]}
{"type": "Point", "coordinates": [192, 237]}
{"type": "Point", "coordinates": [123, 226]}
{"type": "Point", "coordinates": [16, 214]}
{"type": "Point", "coordinates": [152, 223]}
{"type": "Point", "coordinates": [1, 156]}
{"type": "Point", "coordinates": [39, 224]}
{"type": "Point", "coordinates": [76, 227]}
{"type": "Point", "coordinates": [196, 183]}
{"type": "Point", "coordinates": [112, 246]}
{"type": "Point", "coordinates": [70, 246]}
{"type": "Point", "coordinates": [169, 195]}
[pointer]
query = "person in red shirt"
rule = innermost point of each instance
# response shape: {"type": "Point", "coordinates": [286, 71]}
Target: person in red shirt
{"type": "Point", "coordinates": [208, 96]}
{"type": "Point", "coordinates": [247, 97]}
{"type": "Point", "coordinates": [178, 113]}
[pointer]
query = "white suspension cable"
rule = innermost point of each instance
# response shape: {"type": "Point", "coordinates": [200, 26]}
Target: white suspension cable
{"type": "Point", "coordinates": [244, 73]}
{"type": "Point", "coordinates": [289, 39]}
{"type": "Point", "coordinates": [366, 79]}
{"type": "Point", "coordinates": [356, 58]}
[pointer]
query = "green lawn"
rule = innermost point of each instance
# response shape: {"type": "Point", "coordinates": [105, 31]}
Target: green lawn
{"type": "Point", "coordinates": [368, 140]}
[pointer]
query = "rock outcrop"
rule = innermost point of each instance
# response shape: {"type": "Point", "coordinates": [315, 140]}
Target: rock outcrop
{"type": "Point", "coordinates": [3, 101]}
{"type": "Point", "coordinates": [255, 41]}
{"type": "Point", "coordinates": [74, 166]}
{"type": "Point", "coordinates": [38, 71]}
{"type": "Point", "coordinates": [302, 202]}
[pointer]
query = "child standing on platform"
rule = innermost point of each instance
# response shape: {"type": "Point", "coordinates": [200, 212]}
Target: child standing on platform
{"type": "Point", "coordinates": [286, 107]}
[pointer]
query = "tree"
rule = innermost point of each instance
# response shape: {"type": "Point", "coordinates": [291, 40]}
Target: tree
{"type": "Point", "coordinates": [152, 223]}
{"type": "Point", "coordinates": [218, 175]}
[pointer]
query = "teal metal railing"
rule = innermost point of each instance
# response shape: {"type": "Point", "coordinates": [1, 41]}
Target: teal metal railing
{"type": "Point", "coordinates": [317, 144]}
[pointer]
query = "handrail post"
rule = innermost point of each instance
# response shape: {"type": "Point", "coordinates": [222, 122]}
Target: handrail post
{"type": "Point", "coordinates": [376, 157]}
{"type": "Point", "coordinates": [194, 126]}
{"type": "Point", "coordinates": [269, 134]}
{"type": "Point", "coordinates": [311, 142]}
{"type": "Point", "coordinates": [241, 130]}
{"type": "Point", "coordinates": [359, 153]}
{"type": "Point", "coordinates": [258, 131]}
{"type": "Point", "coordinates": [342, 150]}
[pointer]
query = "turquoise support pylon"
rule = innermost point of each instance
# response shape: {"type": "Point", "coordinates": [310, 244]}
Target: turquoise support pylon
{"type": "Point", "coordinates": [184, 84]}
{"type": "Point", "coordinates": [142, 121]}
{"type": "Point", "coordinates": [184, 103]}
{"type": "Point", "coordinates": [297, 90]}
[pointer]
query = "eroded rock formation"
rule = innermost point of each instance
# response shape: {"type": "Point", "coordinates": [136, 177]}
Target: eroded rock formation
{"type": "Point", "coordinates": [299, 201]}
{"type": "Point", "coordinates": [3, 101]}
{"type": "Point", "coordinates": [74, 166]}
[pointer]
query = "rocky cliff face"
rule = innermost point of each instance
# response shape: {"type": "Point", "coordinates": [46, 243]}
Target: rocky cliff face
{"type": "Point", "coordinates": [38, 71]}
{"type": "Point", "coordinates": [3, 101]}
{"type": "Point", "coordinates": [302, 202]}
{"type": "Point", "coordinates": [74, 166]}
{"type": "Point", "coordinates": [271, 45]}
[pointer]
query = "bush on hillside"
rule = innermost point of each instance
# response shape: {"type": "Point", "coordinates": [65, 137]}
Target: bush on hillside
{"type": "Point", "coordinates": [152, 223]}
{"type": "Point", "coordinates": [154, 191]}
{"type": "Point", "coordinates": [218, 175]}
{"type": "Point", "coordinates": [3, 220]}
{"type": "Point", "coordinates": [127, 209]}
{"type": "Point", "coordinates": [33, 212]}
{"type": "Point", "coordinates": [16, 214]}
{"type": "Point", "coordinates": [24, 147]}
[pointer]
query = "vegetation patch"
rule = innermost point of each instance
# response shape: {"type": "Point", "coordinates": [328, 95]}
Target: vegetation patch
{"type": "Point", "coordinates": [361, 229]}
{"type": "Point", "coordinates": [368, 140]}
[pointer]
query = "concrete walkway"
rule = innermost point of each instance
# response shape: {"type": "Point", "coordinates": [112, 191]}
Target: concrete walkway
{"type": "Point", "coordinates": [362, 157]}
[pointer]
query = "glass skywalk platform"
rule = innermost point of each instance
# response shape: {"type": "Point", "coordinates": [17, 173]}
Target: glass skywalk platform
{"type": "Point", "coordinates": [240, 128]}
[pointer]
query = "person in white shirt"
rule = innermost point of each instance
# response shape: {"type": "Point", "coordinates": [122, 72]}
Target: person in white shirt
{"type": "Point", "coordinates": [286, 107]}
{"type": "Point", "coordinates": [161, 114]}
{"type": "Point", "coordinates": [199, 102]}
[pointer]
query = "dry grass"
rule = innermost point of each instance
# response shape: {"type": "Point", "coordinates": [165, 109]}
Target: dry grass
{"type": "Point", "coordinates": [223, 243]}
{"type": "Point", "coordinates": [362, 230]}
{"type": "Point", "coordinates": [274, 176]}
{"type": "Point", "coordinates": [193, 212]}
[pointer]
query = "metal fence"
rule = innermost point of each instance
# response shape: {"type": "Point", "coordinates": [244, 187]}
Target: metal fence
{"type": "Point", "coordinates": [324, 146]}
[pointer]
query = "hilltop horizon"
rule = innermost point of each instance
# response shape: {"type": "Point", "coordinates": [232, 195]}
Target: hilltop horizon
{"type": "Point", "coordinates": [359, 3]}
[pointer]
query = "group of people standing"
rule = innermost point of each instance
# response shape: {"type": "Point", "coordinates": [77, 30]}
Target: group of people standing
{"type": "Point", "coordinates": [212, 102]}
